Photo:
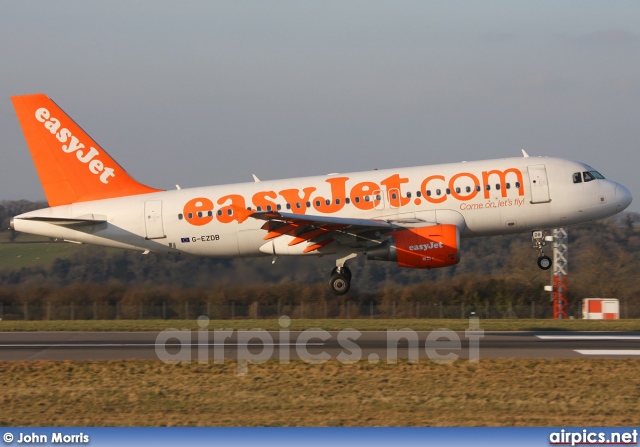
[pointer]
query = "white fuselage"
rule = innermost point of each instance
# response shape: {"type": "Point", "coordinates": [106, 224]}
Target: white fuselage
{"type": "Point", "coordinates": [482, 198]}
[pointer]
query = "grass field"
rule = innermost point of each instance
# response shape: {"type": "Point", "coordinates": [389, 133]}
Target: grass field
{"type": "Point", "coordinates": [331, 324]}
{"type": "Point", "coordinates": [580, 392]}
{"type": "Point", "coordinates": [32, 251]}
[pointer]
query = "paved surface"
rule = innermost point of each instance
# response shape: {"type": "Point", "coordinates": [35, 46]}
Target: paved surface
{"type": "Point", "coordinates": [314, 345]}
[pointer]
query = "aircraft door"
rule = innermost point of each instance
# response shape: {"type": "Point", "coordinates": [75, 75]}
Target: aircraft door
{"type": "Point", "coordinates": [153, 219]}
{"type": "Point", "coordinates": [539, 184]}
{"type": "Point", "coordinates": [394, 198]}
{"type": "Point", "coordinates": [378, 200]}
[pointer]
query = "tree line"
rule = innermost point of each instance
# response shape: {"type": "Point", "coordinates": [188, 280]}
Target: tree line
{"type": "Point", "coordinates": [603, 262]}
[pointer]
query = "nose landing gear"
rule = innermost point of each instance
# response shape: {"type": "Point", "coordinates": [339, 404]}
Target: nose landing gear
{"type": "Point", "coordinates": [544, 261]}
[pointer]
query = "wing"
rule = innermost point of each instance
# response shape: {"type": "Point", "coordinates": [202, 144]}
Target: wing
{"type": "Point", "coordinates": [319, 231]}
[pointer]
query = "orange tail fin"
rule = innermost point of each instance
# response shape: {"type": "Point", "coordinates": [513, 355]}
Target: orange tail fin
{"type": "Point", "coordinates": [71, 166]}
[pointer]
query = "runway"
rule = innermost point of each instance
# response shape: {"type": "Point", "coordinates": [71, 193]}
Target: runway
{"type": "Point", "coordinates": [316, 345]}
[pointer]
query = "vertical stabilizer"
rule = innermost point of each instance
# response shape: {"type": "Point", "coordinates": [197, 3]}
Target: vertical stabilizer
{"type": "Point", "coordinates": [71, 166]}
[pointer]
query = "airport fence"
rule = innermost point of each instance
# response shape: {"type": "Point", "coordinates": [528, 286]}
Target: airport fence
{"type": "Point", "coordinates": [312, 310]}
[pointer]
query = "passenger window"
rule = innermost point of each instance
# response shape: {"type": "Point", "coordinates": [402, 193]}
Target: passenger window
{"type": "Point", "coordinates": [408, 195]}
{"type": "Point", "coordinates": [498, 186]}
{"type": "Point", "coordinates": [577, 177]}
{"type": "Point", "coordinates": [458, 190]}
{"type": "Point", "coordinates": [517, 184]}
{"type": "Point", "coordinates": [298, 205]}
{"type": "Point", "coordinates": [317, 203]}
{"type": "Point", "coordinates": [508, 185]}
{"type": "Point", "coordinates": [308, 204]}
{"type": "Point", "coordinates": [229, 211]}
{"type": "Point", "coordinates": [394, 196]}
{"type": "Point", "coordinates": [419, 194]}
{"type": "Point", "coordinates": [278, 207]}
{"type": "Point", "coordinates": [347, 200]}
{"type": "Point", "coordinates": [337, 201]}
{"type": "Point", "coordinates": [180, 216]}
{"type": "Point", "coordinates": [428, 193]}
{"type": "Point", "coordinates": [190, 215]}
{"type": "Point", "coordinates": [488, 187]}
{"type": "Point", "coordinates": [288, 206]}
{"type": "Point", "coordinates": [269, 208]}
{"type": "Point", "coordinates": [438, 192]}
{"type": "Point", "coordinates": [478, 188]}
{"type": "Point", "coordinates": [358, 199]}
{"type": "Point", "coordinates": [259, 208]}
{"type": "Point", "coordinates": [468, 189]}
{"type": "Point", "coordinates": [328, 202]}
{"type": "Point", "coordinates": [588, 176]}
{"type": "Point", "coordinates": [219, 212]}
{"type": "Point", "coordinates": [366, 198]}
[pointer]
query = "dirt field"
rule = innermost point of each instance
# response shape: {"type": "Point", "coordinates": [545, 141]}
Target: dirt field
{"type": "Point", "coordinates": [151, 393]}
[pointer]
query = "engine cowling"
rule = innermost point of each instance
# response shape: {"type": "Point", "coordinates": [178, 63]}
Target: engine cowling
{"type": "Point", "coordinates": [421, 248]}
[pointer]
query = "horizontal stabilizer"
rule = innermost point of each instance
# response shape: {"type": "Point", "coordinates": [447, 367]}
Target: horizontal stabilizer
{"type": "Point", "coordinates": [87, 219]}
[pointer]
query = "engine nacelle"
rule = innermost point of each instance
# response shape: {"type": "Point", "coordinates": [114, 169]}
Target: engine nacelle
{"type": "Point", "coordinates": [421, 248]}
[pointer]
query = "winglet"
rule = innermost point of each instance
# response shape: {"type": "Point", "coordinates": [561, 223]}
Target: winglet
{"type": "Point", "coordinates": [72, 167]}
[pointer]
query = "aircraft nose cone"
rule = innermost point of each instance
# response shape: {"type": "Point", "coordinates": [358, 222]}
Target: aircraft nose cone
{"type": "Point", "coordinates": [623, 197]}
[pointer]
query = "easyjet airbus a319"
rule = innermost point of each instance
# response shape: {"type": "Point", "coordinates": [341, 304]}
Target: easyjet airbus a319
{"type": "Point", "coordinates": [414, 216]}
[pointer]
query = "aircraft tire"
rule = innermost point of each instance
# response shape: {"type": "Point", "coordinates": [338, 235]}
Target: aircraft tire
{"type": "Point", "coordinates": [339, 283]}
{"type": "Point", "coordinates": [544, 262]}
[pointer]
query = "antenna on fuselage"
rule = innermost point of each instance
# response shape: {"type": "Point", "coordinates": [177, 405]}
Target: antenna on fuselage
{"type": "Point", "coordinates": [524, 153]}
{"type": "Point", "coordinates": [255, 179]}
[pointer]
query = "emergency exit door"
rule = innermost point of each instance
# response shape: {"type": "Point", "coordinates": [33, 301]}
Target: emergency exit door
{"type": "Point", "coordinates": [153, 219]}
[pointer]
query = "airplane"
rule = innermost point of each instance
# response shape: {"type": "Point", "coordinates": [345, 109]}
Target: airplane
{"type": "Point", "coordinates": [413, 216]}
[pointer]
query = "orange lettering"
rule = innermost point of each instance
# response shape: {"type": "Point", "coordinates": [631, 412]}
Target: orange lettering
{"type": "Point", "coordinates": [423, 188]}
{"type": "Point", "coordinates": [503, 181]}
{"type": "Point", "coordinates": [298, 204]}
{"type": "Point", "coordinates": [260, 200]}
{"type": "Point", "coordinates": [361, 190]}
{"type": "Point", "coordinates": [394, 186]}
{"type": "Point", "coordinates": [227, 213]}
{"type": "Point", "coordinates": [197, 211]}
{"type": "Point", "coordinates": [474, 191]}
{"type": "Point", "coordinates": [338, 194]}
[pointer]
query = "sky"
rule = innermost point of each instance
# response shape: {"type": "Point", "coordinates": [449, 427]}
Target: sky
{"type": "Point", "coordinates": [202, 93]}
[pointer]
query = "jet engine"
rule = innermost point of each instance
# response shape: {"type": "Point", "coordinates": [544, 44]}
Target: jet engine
{"type": "Point", "coordinates": [421, 248]}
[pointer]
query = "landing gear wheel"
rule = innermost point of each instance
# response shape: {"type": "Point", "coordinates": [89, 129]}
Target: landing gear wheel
{"type": "Point", "coordinates": [544, 262]}
{"type": "Point", "coordinates": [339, 283]}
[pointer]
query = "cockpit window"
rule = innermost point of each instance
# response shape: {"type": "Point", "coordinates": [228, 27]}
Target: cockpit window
{"type": "Point", "coordinates": [588, 176]}
{"type": "Point", "coordinates": [596, 174]}
{"type": "Point", "coordinates": [577, 177]}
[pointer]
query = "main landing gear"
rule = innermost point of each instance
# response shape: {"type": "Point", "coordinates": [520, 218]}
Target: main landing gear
{"type": "Point", "coordinates": [544, 261]}
{"type": "Point", "coordinates": [340, 280]}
